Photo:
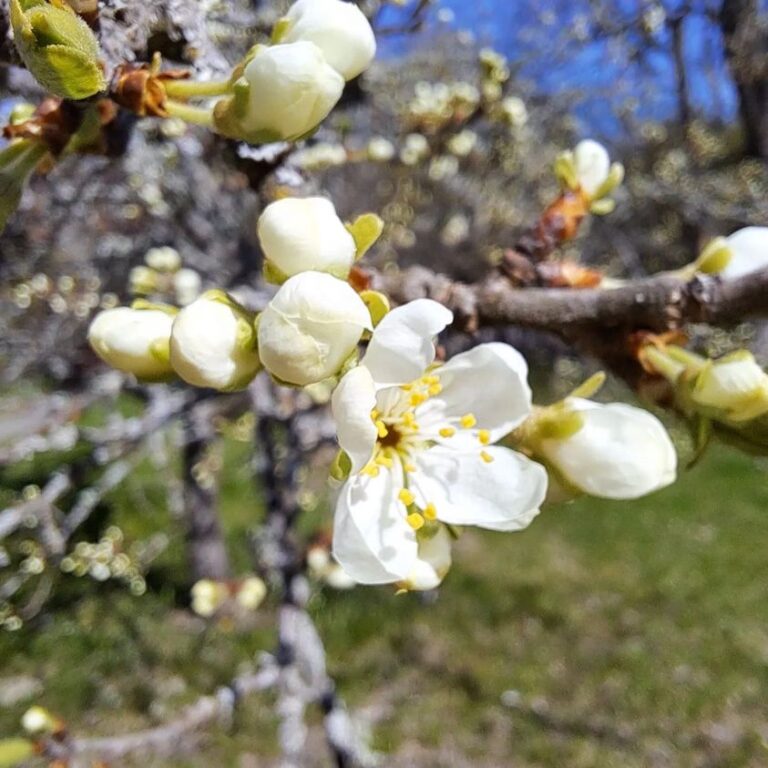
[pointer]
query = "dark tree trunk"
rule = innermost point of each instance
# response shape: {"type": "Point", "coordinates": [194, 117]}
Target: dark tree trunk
{"type": "Point", "coordinates": [746, 50]}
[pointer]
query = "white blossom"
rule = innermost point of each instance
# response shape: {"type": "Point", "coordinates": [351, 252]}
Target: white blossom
{"type": "Point", "coordinates": [133, 340]}
{"type": "Point", "coordinates": [420, 444]}
{"type": "Point", "coordinates": [748, 251]}
{"type": "Point", "coordinates": [302, 234]}
{"type": "Point", "coordinates": [163, 259]}
{"type": "Point", "coordinates": [208, 596]}
{"type": "Point", "coordinates": [291, 89]}
{"type": "Point", "coordinates": [213, 343]}
{"type": "Point", "coordinates": [619, 452]}
{"type": "Point", "coordinates": [339, 29]}
{"type": "Point", "coordinates": [186, 286]}
{"type": "Point", "coordinates": [310, 328]}
{"type": "Point", "coordinates": [592, 165]}
{"type": "Point", "coordinates": [251, 593]}
{"type": "Point", "coordinates": [734, 386]}
{"type": "Point", "coordinates": [37, 720]}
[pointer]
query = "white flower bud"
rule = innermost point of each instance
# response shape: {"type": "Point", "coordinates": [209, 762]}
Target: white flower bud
{"type": "Point", "coordinates": [302, 234]}
{"type": "Point", "coordinates": [163, 259]}
{"type": "Point", "coordinates": [339, 29]}
{"type": "Point", "coordinates": [285, 92]}
{"type": "Point", "coordinates": [142, 280]}
{"type": "Point", "coordinates": [208, 596]}
{"type": "Point", "coordinates": [186, 286]}
{"type": "Point", "coordinates": [251, 593]}
{"type": "Point", "coordinates": [310, 328]}
{"type": "Point", "coordinates": [380, 149]}
{"type": "Point", "coordinates": [735, 385]}
{"type": "Point", "coordinates": [213, 343]}
{"type": "Point", "coordinates": [592, 165]}
{"type": "Point", "coordinates": [133, 340]}
{"type": "Point", "coordinates": [619, 452]}
{"type": "Point", "coordinates": [748, 250]}
{"type": "Point", "coordinates": [37, 720]}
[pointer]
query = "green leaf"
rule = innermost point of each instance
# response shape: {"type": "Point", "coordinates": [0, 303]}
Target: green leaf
{"type": "Point", "coordinates": [17, 162]}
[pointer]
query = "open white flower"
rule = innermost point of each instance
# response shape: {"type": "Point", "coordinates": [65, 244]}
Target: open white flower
{"type": "Point", "coordinates": [213, 343]}
{"type": "Point", "coordinates": [310, 327]}
{"type": "Point", "coordinates": [338, 28]}
{"type": "Point", "coordinates": [736, 386]}
{"type": "Point", "coordinates": [133, 340]}
{"type": "Point", "coordinates": [420, 443]}
{"type": "Point", "coordinates": [301, 234]}
{"type": "Point", "coordinates": [619, 452]}
{"type": "Point", "coordinates": [748, 251]}
{"type": "Point", "coordinates": [285, 92]}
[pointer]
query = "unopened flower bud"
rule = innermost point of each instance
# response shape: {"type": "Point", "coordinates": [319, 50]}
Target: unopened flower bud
{"type": "Point", "coordinates": [251, 593]}
{"type": "Point", "coordinates": [588, 168]}
{"type": "Point", "coordinates": [37, 720]}
{"type": "Point", "coordinates": [58, 48]}
{"type": "Point", "coordinates": [380, 149]}
{"type": "Point", "coordinates": [734, 387]}
{"type": "Point", "coordinates": [213, 343]}
{"type": "Point", "coordinates": [186, 286]}
{"type": "Point", "coordinates": [134, 340]}
{"type": "Point", "coordinates": [613, 451]}
{"type": "Point", "coordinates": [284, 93]}
{"type": "Point", "coordinates": [302, 234]}
{"type": "Point", "coordinates": [208, 596]}
{"type": "Point", "coordinates": [163, 259]}
{"type": "Point", "coordinates": [310, 328]}
{"type": "Point", "coordinates": [748, 250]}
{"type": "Point", "coordinates": [338, 28]}
{"type": "Point", "coordinates": [142, 280]}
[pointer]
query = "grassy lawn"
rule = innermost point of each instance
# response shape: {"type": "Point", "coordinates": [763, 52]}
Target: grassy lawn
{"type": "Point", "coordinates": [607, 634]}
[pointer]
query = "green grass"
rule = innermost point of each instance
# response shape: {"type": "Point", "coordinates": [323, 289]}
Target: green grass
{"type": "Point", "coordinates": [635, 634]}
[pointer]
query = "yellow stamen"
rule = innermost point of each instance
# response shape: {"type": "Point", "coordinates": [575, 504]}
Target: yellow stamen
{"type": "Point", "coordinates": [406, 387]}
{"type": "Point", "coordinates": [435, 389]}
{"type": "Point", "coordinates": [382, 429]}
{"type": "Point", "coordinates": [486, 457]}
{"type": "Point", "coordinates": [409, 420]}
{"type": "Point", "coordinates": [409, 467]}
{"type": "Point", "coordinates": [384, 461]}
{"type": "Point", "coordinates": [430, 511]}
{"type": "Point", "coordinates": [417, 398]}
{"type": "Point", "coordinates": [406, 497]}
{"type": "Point", "coordinates": [484, 436]}
{"type": "Point", "coordinates": [468, 420]}
{"type": "Point", "coordinates": [447, 432]}
{"type": "Point", "coordinates": [371, 470]}
{"type": "Point", "coordinates": [415, 520]}
{"type": "Point", "coordinates": [431, 379]}
{"type": "Point", "coordinates": [375, 414]}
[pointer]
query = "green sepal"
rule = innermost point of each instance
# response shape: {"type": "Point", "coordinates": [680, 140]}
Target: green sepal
{"type": "Point", "coordinates": [377, 303]}
{"type": "Point", "coordinates": [15, 751]}
{"type": "Point", "coordinates": [144, 304]}
{"type": "Point", "coordinates": [602, 206]}
{"type": "Point", "coordinates": [559, 424]}
{"type": "Point", "coordinates": [565, 170]}
{"type": "Point", "coordinates": [341, 467]}
{"type": "Point", "coordinates": [280, 30]}
{"type": "Point", "coordinates": [613, 180]}
{"type": "Point", "coordinates": [365, 230]}
{"type": "Point", "coordinates": [715, 257]}
{"type": "Point", "coordinates": [58, 48]}
{"type": "Point", "coordinates": [702, 435]}
{"type": "Point", "coordinates": [273, 274]}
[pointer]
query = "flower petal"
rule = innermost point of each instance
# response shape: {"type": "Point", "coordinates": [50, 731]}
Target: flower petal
{"type": "Point", "coordinates": [749, 249]}
{"type": "Point", "coordinates": [592, 165]}
{"type": "Point", "coordinates": [372, 540]}
{"type": "Point", "coordinates": [621, 452]}
{"type": "Point", "coordinates": [503, 494]}
{"type": "Point", "coordinates": [402, 345]}
{"type": "Point", "coordinates": [352, 403]}
{"type": "Point", "coordinates": [489, 381]}
{"type": "Point", "coordinates": [433, 562]}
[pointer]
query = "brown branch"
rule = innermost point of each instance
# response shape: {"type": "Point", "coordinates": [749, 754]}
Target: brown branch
{"type": "Point", "coordinates": [658, 303]}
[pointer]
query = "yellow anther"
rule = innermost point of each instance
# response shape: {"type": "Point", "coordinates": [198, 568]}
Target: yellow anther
{"type": "Point", "coordinates": [406, 497]}
{"type": "Point", "coordinates": [415, 520]}
{"type": "Point", "coordinates": [431, 379]}
{"type": "Point", "coordinates": [484, 436]}
{"type": "Point", "coordinates": [417, 398]}
{"type": "Point", "coordinates": [381, 429]}
{"type": "Point", "coordinates": [430, 511]}
{"type": "Point", "coordinates": [447, 432]}
{"type": "Point", "coordinates": [371, 470]}
{"type": "Point", "coordinates": [468, 420]}
{"type": "Point", "coordinates": [384, 461]}
{"type": "Point", "coordinates": [409, 467]}
{"type": "Point", "coordinates": [408, 419]}
{"type": "Point", "coordinates": [435, 389]}
{"type": "Point", "coordinates": [375, 414]}
{"type": "Point", "coordinates": [486, 457]}
{"type": "Point", "coordinates": [406, 387]}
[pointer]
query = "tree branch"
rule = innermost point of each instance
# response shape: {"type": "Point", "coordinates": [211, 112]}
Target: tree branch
{"type": "Point", "coordinates": [658, 303]}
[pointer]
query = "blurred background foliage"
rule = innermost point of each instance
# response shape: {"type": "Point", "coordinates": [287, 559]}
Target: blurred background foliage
{"type": "Point", "coordinates": [607, 634]}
